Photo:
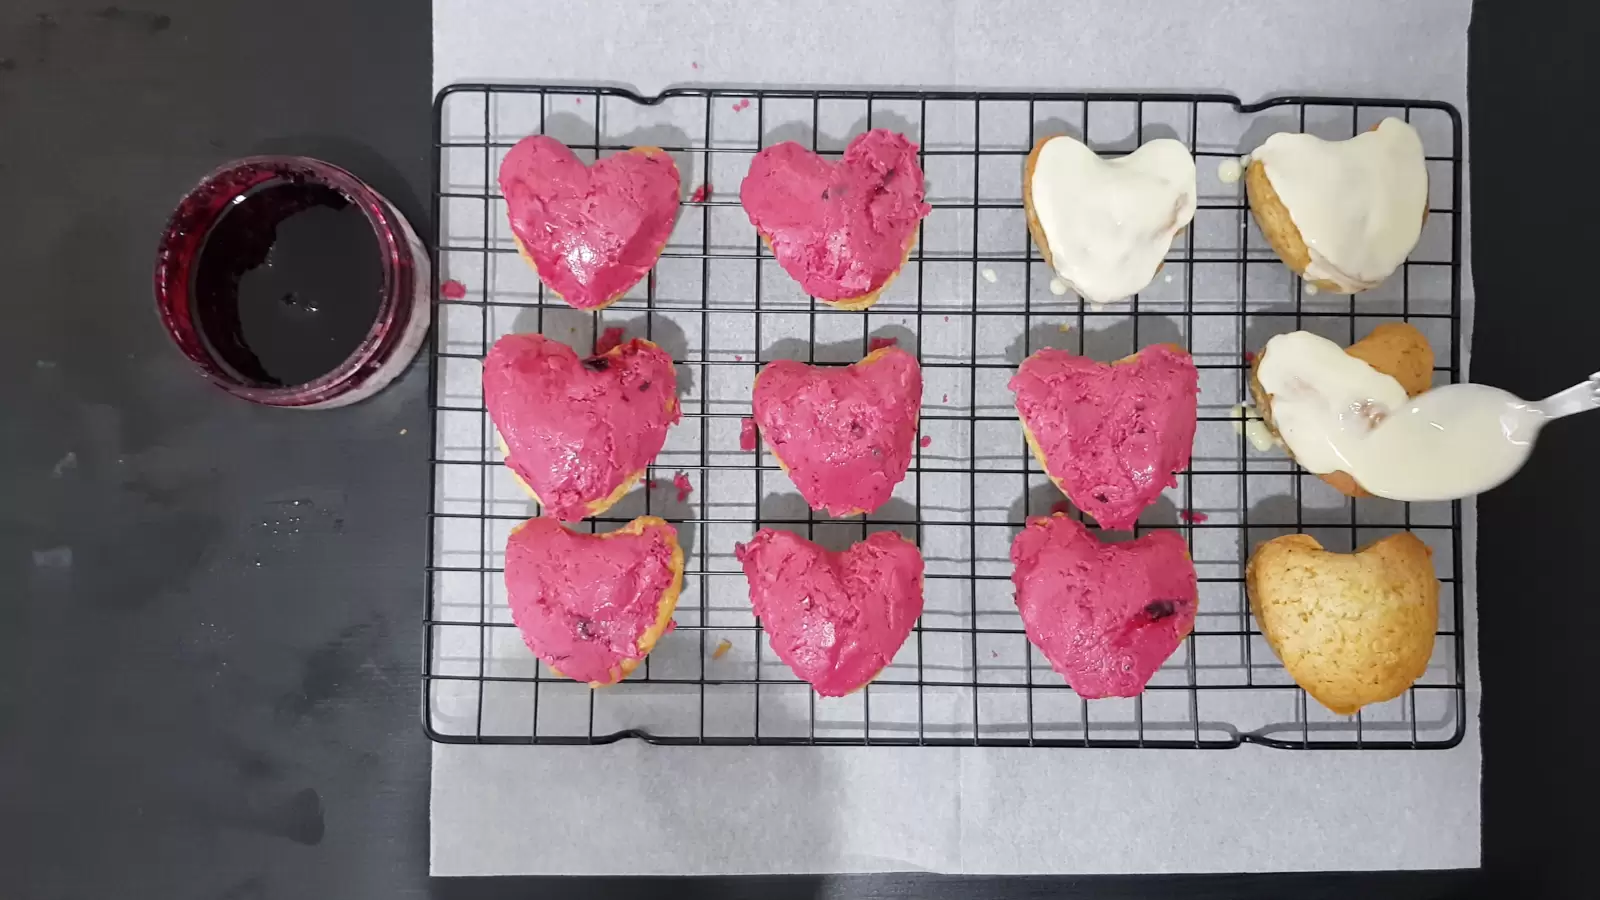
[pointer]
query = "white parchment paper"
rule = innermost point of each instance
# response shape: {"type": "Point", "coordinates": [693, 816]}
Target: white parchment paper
{"type": "Point", "coordinates": [632, 808]}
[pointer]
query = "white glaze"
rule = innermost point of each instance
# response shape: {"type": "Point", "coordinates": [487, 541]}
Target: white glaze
{"type": "Point", "coordinates": [1358, 204]}
{"type": "Point", "coordinates": [1247, 421]}
{"type": "Point", "coordinates": [989, 276]}
{"type": "Point", "coordinates": [1229, 170]}
{"type": "Point", "coordinates": [1323, 398]}
{"type": "Point", "coordinates": [1335, 412]}
{"type": "Point", "coordinates": [1058, 287]}
{"type": "Point", "coordinates": [1110, 223]}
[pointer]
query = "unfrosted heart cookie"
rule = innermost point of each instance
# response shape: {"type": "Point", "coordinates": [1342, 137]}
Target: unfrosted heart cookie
{"type": "Point", "coordinates": [1105, 225]}
{"type": "Point", "coordinates": [840, 229]}
{"type": "Point", "coordinates": [1351, 628]}
{"type": "Point", "coordinates": [1105, 615]}
{"type": "Point", "coordinates": [1111, 436]}
{"type": "Point", "coordinates": [836, 619]}
{"type": "Point", "coordinates": [845, 434]}
{"type": "Point", "coordinates": [591, 232]}
{"type": "Point", "coordinates": [593, 605]}
{"type": "Point", "coordinates": [578, 433]}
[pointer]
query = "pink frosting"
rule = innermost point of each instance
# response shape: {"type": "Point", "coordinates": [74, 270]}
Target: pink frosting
{"type": "Point", "coordinates": [844, 432]}
{"type": "Point", "coordinates": [840, 229]}
{"type": "Point", "coordinates": [1105, 615]}
{"type": "Point", "coordinates": [576, 430]}
{"type": "Point", "coordinates": [836, 619]}
{"type": "Point", "coordinates": [592, 231]}
{"type": "Point", "coordinates": [1113, 435]}
{"type": "Point", "coordinates": [584, 601]}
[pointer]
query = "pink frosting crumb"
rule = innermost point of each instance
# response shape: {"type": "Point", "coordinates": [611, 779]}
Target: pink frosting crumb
{"type": "Point", "coordinates": [681, 482]}
{"type": "Point", "coordinates": [1192, 516]}
{"type": "Point", "coordinates": [609, 340]}
{"type": "Point", "coordinates": [453, 290]}
{"type": "Point", "coordinates": [926, 442]}
{"type": "Point", "coordinates": [747, 434]}
{"type": "Point", "coordinates": [700, 193]}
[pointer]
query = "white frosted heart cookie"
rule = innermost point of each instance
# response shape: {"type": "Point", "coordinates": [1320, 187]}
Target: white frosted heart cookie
{"type": "Point", "coordinates": [1105, 225]}
{"type": "Point", "coordinates": [1342, 214]}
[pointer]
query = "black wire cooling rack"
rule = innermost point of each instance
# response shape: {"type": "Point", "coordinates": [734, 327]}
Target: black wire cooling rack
{"type": "Point", "coordinates": [972, 301]}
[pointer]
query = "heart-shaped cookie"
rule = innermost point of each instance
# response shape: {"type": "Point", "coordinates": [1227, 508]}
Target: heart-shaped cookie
{"type": "Point", "coordinates": [578, 433]}
{"type": "Point", "coordinates": [591, 232]}
{"type": "Point", "coordinates": [1111, 436]}
{"type": "Point", "coordinates": [1105, 615]}
{"type": "Point", "coordinates": [1351, 628]}
{"type": "Point", "coordinates": [1105, 225]}
{"type": "Point", "coordinates": [836, 619]}
{"type": "Point", "coordinates": [593, 605]}
{"type": "Point", "coordinates": [840, 229]}
{"type": "Point", "coordinates": [845, 434]}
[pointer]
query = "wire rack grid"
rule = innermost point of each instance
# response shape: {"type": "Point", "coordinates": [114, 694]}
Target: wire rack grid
{"type": "Point", "coordinates": [972, 301]}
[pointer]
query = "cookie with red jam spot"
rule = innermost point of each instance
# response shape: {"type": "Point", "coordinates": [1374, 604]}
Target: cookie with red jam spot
{"type": "Point", "coordinates": [592, 606]}
{"type": "Point", "coordinates": [835, 619]}
{"type": "Point", "coordinates": [845, 434]}
{"type": "Point", "coordinates": [1106, 616]}
{"type": "Point", "coordinates": [578, 433]}
{"type": "Point", "coordinates": [1110, 435]}
{"type": "Point", "coordinates": [841, 229]}
{"type": "Point", "coordinates": [590, 232]}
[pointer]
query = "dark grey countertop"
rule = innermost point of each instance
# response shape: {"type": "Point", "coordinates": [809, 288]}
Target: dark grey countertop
{"type": "Point", "coordinates": [204, 699]}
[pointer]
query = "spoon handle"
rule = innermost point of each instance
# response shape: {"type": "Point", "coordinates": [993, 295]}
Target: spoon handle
{"type": "Point", "coordinates": [1581, 397]}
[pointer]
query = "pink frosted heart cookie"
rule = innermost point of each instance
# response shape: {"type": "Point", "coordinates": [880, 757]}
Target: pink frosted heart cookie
{"type": "Point", "coordinates": [1105, 615]}
{"type": "Point", "coordinates": [593, 605]}
{"type": "Point", "coordinates": [591, 232]}
{"type": "Point", "coordinates": [836, 619]}
{"type": "Point", "coordinates": [843, 433]}
{"type": "Point", "coordinates": [840, 229]}
{"type": "Point", "coordinates": [578, 433]}
{"type": "Point", "coordinates": [1111, 436]}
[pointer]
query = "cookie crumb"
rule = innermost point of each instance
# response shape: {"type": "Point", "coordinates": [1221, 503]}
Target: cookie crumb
{"type": "Point", "coordinates": [747, 433]}
{"type": "Point", "coordinates": [609, 340]}
{"type": "Point", "coordinates": [1192, 516]}
{"type": "Point", "coordinates": [453, 290]}
{"type": "Point", "coordinates": [878, 343]}
{"type": "Point", "coordinates": [681, 482]}
{"type": "Point", "coordinates": [723, 646]}
{"type": "Point", "coordinates": [1064, 327]}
